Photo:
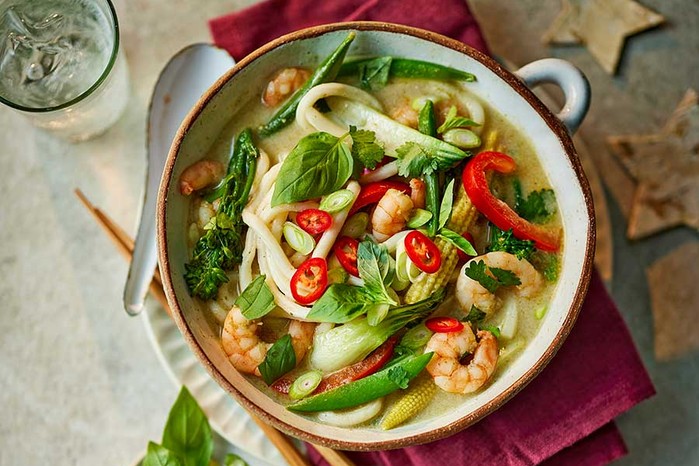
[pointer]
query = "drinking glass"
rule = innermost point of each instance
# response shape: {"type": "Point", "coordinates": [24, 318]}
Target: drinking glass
{"type": "Point", "coordinates": [61, 65]}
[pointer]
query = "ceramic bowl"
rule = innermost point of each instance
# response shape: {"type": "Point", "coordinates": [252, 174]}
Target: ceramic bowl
{"type": "Point", "coordinates": [507, 92]}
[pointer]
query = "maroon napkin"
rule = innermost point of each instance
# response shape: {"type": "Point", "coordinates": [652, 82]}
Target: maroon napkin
{"type": "Point", "coordinates": [564, 416]}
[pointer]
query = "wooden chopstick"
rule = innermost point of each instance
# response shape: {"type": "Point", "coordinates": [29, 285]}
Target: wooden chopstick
{"type": "Point", "coordinates": [125, 245]}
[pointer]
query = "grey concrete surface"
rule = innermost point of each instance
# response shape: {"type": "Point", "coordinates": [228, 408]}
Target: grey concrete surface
{"type": "Point", "coordinates": [79, 383]}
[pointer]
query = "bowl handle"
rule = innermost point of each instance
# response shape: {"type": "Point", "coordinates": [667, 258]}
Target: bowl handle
{"type": "Point", "coordinates": [566, 76]}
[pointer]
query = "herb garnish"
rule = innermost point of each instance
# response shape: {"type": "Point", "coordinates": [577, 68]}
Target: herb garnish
{"type": "Point", "coordinates": [491, 278]}
{"type": "Point", "coordinates": [373, 74]}
{"type": "Point", "coordinates": [256, 300]}
{"type": "Point", "coordinates": [538, 207]}
{"type": "Point", "coordinates": [454, 121]}
{"type": "Point", "coordinates": [279, 360]}
{"type": "Point", "coordinates": [506, 241]}
{"type": "Point", "coordinates": [365, 149]}
{"type": "Point", "coordinates": [475, 315]}
{"type": "Point", "coordinates": [399, 376]}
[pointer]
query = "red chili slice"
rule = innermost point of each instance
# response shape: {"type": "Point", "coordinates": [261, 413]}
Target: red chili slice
{"type": "Point", "coordinates": [496, 210]}
{"type": "Point", "coordinates": [444, 324]}
{"type": "Point", "coordinates": [373, 192]}
{"type": "Point", "coordinates": [314, 221]}
{"type": "Point", "coordinates": [463, 257]}
{"type": "Point", "coordinates": [363, 368]}
{"type": "Point", "coordinates": [346, 251]}
{"type": "Point", "coordinates": [423, 252]}
{"type": "Point", "coordinates": [310, 280]}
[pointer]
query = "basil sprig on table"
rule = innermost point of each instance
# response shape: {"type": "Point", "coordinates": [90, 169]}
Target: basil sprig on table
{"type": "Point", "coordinates": [187, 438]}
{"type": "Point", "coordinates": [321, 164]}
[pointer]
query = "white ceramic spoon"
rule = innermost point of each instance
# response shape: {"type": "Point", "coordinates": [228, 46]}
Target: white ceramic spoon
{"type": "Point", "coordinates": [183, 80]}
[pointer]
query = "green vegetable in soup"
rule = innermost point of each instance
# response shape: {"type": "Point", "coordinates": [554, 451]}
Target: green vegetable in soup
{"type": "Point", "coordinates": [374, 266]}
{"type": "Point", "coordinates": [256, 300]}
{"type": "Point", "coordinates": [419, 218]}
{"type": "Point", "coordinates": [373, 74]}
{"type": "Point", "coordinates": [305, 384]}
{"type": "Point", "coordinates": [325, 72]}
{"type": "Point", "coordinates": [406, 68]}
{"type": "Point", "coordinates": [234, 460]}
{"type": "Point", "coordinates": [426, 121]}
{"type": "Point", "coordinates": [453, 120]}
{"type": "Point", "coordinates": [279, 360]}
{"type": "Point", "coordinates": [367, 389]}
{"type": "Point", "coordinates": [427, 125]}
{"type": "Point", "coordinates": [447, 204]}
{"type": "Point", "coordinates": [353, 341]}
{"type": "Point", "coordinates": [457, 240]}
{"type": "Point", "coordinates": [221, 247]}
{"type": "Point", "coordinates": [475, 315]}
{"type": "Point", "coordinates": [506, 241]}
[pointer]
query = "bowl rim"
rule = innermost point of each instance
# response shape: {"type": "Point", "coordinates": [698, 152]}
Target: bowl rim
{"type": "Point", "coordinates": [554, 124]}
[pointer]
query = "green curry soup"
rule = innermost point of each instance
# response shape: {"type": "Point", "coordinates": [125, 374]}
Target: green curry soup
{"type": "Point", "coordinates": [357, 254]}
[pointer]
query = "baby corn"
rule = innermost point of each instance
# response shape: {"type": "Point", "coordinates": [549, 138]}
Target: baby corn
{"type": "Point", "coordinates": [411, 403]}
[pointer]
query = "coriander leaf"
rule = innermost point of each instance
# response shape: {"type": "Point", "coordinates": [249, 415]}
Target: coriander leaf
{"type": "Point", "coordinates": [279, 360]}
{"type": "Point", "coordinates": [505, 241]}
{"type": "Point", "coordinates": [491, 278]}
{"type": "Point", "coordinates": [399, 376]}
{"type": "Point", "coordinates": [538, 207]}
{"type": "Point", "coordinates": [319, 164]}
{"type": "Point", "coordinates": [365, 149]}
{"type": "Point", "coordinates": [475, 315]}
{"type": "Point", "coordinates": [492, 329]}
{"type": "Point", "coordinates": [414, 160]}
{"type": "Point", "coordinates": [446, 206]}
{"type": "Point", "coordinates": [234, 460]}
{"type": "Point", "coordinates": [187, 431]}
{"type": "Point", "coordinates": [373, 74]}
{"type": "Point", "coordinates": [458, 241]}
{"type": "Point", "coordinates": [256, 300]}
{"type": "Point", "coordinates": [373, 263]}
{"type": "Point", "coordinates": [454, 121]}
{"type": "Point", "coordinates": [157, 455]}
{"type": "Point", "coordinates": [341, 303]}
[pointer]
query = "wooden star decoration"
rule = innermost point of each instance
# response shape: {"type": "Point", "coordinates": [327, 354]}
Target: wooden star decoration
{"type": "Point", "coordinates": [666, 168]}
{"type": "Point", "coordinates": [602, 25]}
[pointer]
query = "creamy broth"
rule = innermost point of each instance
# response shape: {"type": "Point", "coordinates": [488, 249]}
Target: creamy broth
{"type": "Point", "coordinates": [502, 135]}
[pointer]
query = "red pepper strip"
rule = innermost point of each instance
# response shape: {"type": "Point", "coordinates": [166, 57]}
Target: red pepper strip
{"type": "Point", "coordinates": [346, 251]}
{"type": "Point", "coordinates": [282, 385]}
{"type": "Point", "coordinates": [496, 210]}
{"type": "Point", "coordinates": [364, 368]}
{"type": "Point", "coordinates": [371, 193]}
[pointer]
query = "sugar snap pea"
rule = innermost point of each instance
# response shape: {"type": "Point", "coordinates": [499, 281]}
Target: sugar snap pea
{"type": "Point", "coordinates": [406, 68]}
{"type": "Point", "coordinates": [326, 71]}
{"type": "Point", "coordinates": [367, 389]}
{"type": "Point", "coordinates": [427, 124]}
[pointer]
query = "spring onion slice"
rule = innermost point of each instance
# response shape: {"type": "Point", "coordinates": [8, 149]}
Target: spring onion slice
{"type": "Point", "coordinates": [298, 239]}
{"type": "Point", "coordinates": [419, 218]}
{"type": "Point", "coordinates": [337, 275]}
{"type": "Point", "coordinates": [305, 384]}
{"type": "Point", "coordinates": [356, 225]}
{"type": "Point", "coordinates": [337, 201]}
{"type": "Point", "coordinates": [417, 337]}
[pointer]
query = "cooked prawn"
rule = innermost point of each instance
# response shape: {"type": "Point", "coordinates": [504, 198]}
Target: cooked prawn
{"type": "Point", "coordinates": [245, 349]}
{"type": "Point", "coordinates": [471, 293]}
{"type": "Point", "coordinates": [201, 174]}
{"type": "Point", "coordinates": [449, 348]}
{"type": "Point", "coordinates": [417, 193]}
{"type": "Point", "coordinates": [284, 83]}
{"type": "Point", "coordinates": [391, 214]}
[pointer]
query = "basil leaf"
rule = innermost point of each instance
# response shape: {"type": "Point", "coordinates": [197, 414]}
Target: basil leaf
{"type": "Point", "coordinates": [256, 300]}
{"type": "Point", "coordinates": [373, 74]}
{"type": "Point", "coordinates": [187, 431]}
{"type": "Point", "coordinates": [319, 164]}
{"type": "Point", "coordinates": [454, 121]}
{"type": "Point", "coordinates": [158, 455]}
{"type": "Point", "coordinates": [341, 303]}
{"type": "Point", "coordinates": [458, 241]}
{"type": "Point", "coordinates": [446, 206]}
{"type": "Point", "coordinates": [280, 359]}
{"type": "Point", "coordinates": [234, 460]}
{"type": "Point", "coordinates": [373, 265]}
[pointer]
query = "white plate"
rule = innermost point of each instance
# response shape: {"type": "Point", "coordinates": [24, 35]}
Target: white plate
{"type": "Point", "coordinates": [225, 415]}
